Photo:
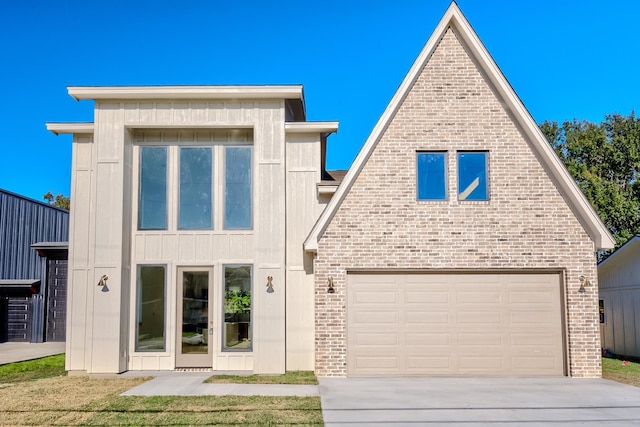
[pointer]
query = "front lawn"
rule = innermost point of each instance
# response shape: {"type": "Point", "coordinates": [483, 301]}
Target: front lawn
{"type": "Point", "coordinates": [291, 377]}
{"type": "Point", "coordinates": [62, 400]}
{"type": "Point", "coordinates": [615, 370]}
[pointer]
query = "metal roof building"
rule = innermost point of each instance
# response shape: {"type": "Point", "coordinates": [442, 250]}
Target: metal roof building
{"type": "Point", "coordinates": [33, 253]}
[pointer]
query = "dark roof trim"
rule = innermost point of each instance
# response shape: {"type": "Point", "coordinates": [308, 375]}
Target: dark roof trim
{"type": "Point", "coordinates": [51, 248]}
{"type": "Point", "coordinates": [29, 199]}
{"type": "Point", "coordinates": [29, 286]}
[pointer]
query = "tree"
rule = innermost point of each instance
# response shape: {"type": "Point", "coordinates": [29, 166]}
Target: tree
{"type": "Point", "coordinates": [604, 160]}
{"type": "Point", "coordinates": [60, 200]}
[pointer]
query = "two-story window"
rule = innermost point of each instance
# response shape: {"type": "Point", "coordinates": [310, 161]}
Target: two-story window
{"type": "Point", "coordinates": [471, 169]}
{"type": "Point", "coordinates": [195, 187]}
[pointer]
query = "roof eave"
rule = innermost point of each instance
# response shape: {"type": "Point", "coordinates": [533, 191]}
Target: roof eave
{"type": "Point", "coordinates": [185, 92]}
{"type": "Point", "coordinates": [58, 128]}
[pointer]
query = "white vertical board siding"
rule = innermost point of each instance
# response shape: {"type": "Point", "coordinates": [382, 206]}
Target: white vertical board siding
{"type": "Point", "coordinates": [110, 241]}
{"type": "Point", "coordinates": [217, 122]}
{"type": "Point", "coordinates": [79, 253]}
{"type": "Point", "coordinates": [269, 227]}
{"type": "Point", "coordinates": [303, 209]}
{"type": "Point", "coordinates": [619, 283]}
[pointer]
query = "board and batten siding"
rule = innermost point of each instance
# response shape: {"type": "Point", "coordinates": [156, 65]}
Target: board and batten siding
{"type": "Point", "coordinates": [303, 208]}
{"type": "Point", "coordinates": [103, 218]}
{"type": "Point", "coordinates": [619, 282]}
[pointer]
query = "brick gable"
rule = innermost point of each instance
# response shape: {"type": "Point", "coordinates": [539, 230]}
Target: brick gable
{"type": "Point", "coordinates": [526, 224]}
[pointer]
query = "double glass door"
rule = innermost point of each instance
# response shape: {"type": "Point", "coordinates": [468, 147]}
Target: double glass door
{"type": "Point", "coordinates": [195, 334]}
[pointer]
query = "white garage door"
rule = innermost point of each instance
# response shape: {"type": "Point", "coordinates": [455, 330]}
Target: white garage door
{"type": "Point", "coordinates": [454, 324]}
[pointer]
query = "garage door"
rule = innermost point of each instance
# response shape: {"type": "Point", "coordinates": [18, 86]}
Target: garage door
{"type": "Point", "coordinates": [454, 324]}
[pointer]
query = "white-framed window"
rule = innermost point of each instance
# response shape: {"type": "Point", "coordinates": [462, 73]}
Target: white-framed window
{"type": "Point", "coordinates": [237, 308]}
{"type": "Point", "coordinates": [151, 290]}
{"type": "Point", "coordinates": [187, 186]}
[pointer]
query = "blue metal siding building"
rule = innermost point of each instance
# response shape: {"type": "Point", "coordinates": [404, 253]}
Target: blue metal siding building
{"type": "Point", "coordinates": [24, 271]}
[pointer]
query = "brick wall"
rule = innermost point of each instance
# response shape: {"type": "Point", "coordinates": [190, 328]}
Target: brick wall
{"type": "Point", "coordinates": [525, 225]}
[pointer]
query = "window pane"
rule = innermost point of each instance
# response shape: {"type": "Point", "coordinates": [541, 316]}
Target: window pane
{"type": "Point", "coordinates": [150, 333]}
{"type": "Point", "coordinates": [472, 176]}
{"type": "Point", "coordinates": [152, 200]}
{"type": "Point", "coordinates": [195, 312]}
{"type": "Point", "coordinates": [195, 205]}
{"type": "Point", "coordinates": [237, 188]}
{"type": "Point", "coordinates": [237, 308]}
{"type": "Point", "coordinates": [432, 181]}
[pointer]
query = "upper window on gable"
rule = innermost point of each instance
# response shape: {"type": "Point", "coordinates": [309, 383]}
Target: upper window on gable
{"type": "Point", "coordinates": [431, 175]}
{"type": "Point", "coordinates": [472, 175]}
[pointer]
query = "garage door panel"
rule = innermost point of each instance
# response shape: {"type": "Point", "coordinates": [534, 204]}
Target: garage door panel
{"type": "Point", "coordinates": [430, 364]}
{"type": "Point", "coordinates": [530, 297]}
{"type": "Point", "coordinates": [479, 297]}
{"type": "Point", "coordinates": [380, 338]}
{"type": "Point", "coordinates": [427, 339]}
{"type": "Point", "coordinates": [478, 318]}
{"type": "Point", "coordinates": [483, 339]}
{"type": "Point", "coordinates": [533, 318]}
{"type": "Point", "coordinates": [419, 297]}
{"type": "Point", "coordinates": [377, 297]}
{"type": "Point", "coordinates": [534, 339]}
{"type": "Point", "coordinates": [413, 317]}
{"type": "Point", "coordinates": [374, 364]}
{"type": "Point", "coordinates": [454, 324]}
{"type": "Point", "coordinates": [480, 364]}
{"type": "Point", "coordinates": [376, 318]}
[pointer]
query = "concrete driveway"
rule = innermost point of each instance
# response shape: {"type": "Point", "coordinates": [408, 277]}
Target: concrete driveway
{"type": "Point", "coordinates": [401, 401]}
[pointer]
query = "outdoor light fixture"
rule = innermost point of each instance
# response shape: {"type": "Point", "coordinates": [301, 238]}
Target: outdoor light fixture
{"type": "Point", "coordinates": [269, 284]}
{"type": "Point", "coordinates": [583, 282]}
{"type": "Point", "coordinates": [103, 280]}
{"type": "Point", "coordinates": [330, 289]}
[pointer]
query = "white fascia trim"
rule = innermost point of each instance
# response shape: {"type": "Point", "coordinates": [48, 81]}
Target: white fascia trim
{"type": "Point", "coordinates": [453, 17]}
{"type": "Point", "coordinates": [70, 128]}
{"type": "Point", "coordinates": [632, 243]}
{"type": "Point", "coordinates": [311, 127]}
{"type": "Point", "coordinates": [326, 190]}
{"type": "Point", "coordinates": [186, 92]}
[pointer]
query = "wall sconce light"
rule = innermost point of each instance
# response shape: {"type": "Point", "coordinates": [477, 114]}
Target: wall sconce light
{"type": "Point", "coordinates": [103, 280]}
{"type": "Point", "coordinates": [583, 282]}
{"type": "Point", "coordinates": [269, 284]}
{"type": "Point", "coordinates": [330, 289]}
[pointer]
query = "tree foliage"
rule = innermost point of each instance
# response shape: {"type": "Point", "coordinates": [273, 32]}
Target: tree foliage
{"type": "Point", "coordinates": [604, 159]}
{"type": "Point", "coordinates": [60, 200]}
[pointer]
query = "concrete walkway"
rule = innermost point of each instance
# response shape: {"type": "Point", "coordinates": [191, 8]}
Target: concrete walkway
{"type": "Point", "coordinates": [19, 351]}
{"type": "Point", "coordinates": [191, 384]}
{"type": "Point", "coordinates": [478, 402]}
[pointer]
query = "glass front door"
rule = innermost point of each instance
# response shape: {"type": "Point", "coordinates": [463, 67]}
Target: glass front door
{"type": "Point", "coordinates": [195, 320]}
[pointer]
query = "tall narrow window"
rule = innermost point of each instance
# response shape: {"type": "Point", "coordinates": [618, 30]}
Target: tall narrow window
{"type": "Point", "coordinates": [237, 308]}
{"type": "Point", "coordinates": [431, 175]}
{"type": "Point", "coordinates": [195, 204]}
{"type": "Point", "coordinates": [152, 197]}
{"type": "Point", "coordinates": [150, 310]}
{"type": "Point", "coordinates": [237, 188]}
{"type": "Point", "coordinates": [472, 175]}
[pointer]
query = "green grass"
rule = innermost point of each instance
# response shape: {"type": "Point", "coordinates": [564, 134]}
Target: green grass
{"type": "Point", "coordinates": [64, 400]}
{"type": "Point", "coordinates": [615, 370]}
{"type": "Point", "coordinates": [291, 377]}
{"type": "Point", "coordinates": [46, 367]}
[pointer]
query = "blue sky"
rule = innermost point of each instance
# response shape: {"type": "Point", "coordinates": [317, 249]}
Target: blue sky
{"type": "Point", "coordinates": [565, 59]}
